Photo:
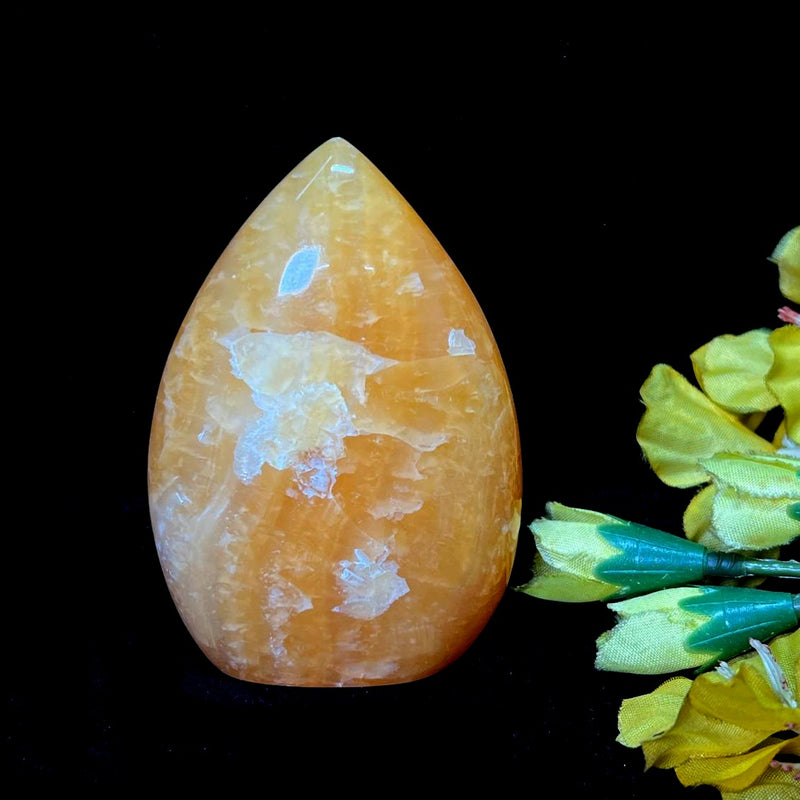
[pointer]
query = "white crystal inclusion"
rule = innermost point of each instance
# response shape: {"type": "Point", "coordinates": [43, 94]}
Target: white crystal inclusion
{"type": "Point", "coordinates": [299, 270]}
{"type": "Point", "coordinates": [369, 585]}
{"type": "Point", "coordinates": [302, 430]}
{"type": "Point", "coordinates": [459, 344]}
{"type": "Point", "coordinates": [272, 363]}
{"type": "Point", "coordinates": [411, 284]}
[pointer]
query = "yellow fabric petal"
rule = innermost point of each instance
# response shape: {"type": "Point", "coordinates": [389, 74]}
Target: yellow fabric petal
{"type": "Point", "coordinates": [650, 634]}
{"type": "Point", "coordinates": [786, 649]}
{"type": "Point", "coordinates": [724, 717]}
{"type": "Point", "coordinates": [780, 433]}
{"type": "Point", "coordinates": [748, 699]}
{"type": "Point", "coordinates": [752, 421]}
{"type": "Point", "coordinates": [681, 426]}
{"type": "Point", "coordinates": [650, 715]}
{"type": "Point", "coordinates": [772, 784]}
{"type": "Point", "coordinates": [772, 476]}
{"type": "Point", "coordinates": [567, 554]}
{"type": "Point", "coordinates": [697, 519]}
{"type": "Point", "coordinates": [746, 523]}
{"type": "Point", "coordinates": [746, 507]}
{"type": "Point", "coordinates": [731, 772]}
{"type": "Point", "coordinates": [783, 378]}
{"type": "Point", "coordinates": [696, 735]}
{"type": "Point", "coordinates": [564, 513]}
{"type": "Point", "coordinates": [574, 547]}
{"type": "Point", "coordinates": [787, 256]}
{"type": "Point", "coordinates": [731, 370]}
{"type": "Point", "coordinates": [698, 525]}
{"type": "Point", "coordinates": [549, 583]}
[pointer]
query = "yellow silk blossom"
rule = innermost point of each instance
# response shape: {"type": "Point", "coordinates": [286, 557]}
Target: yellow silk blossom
{"type": "Point", "coordinates": [568, 549]}
{"type": "Point", "coordinates": [690, 627]}
{"type": "Point", "coordinates": [582, 556]}
{"type": "Point", "coordinates": [709, 436]}
{"type": "Point", "coordinates": [734, 728]}
{"type": "Point", "coordinates": [787, 256]}
{"type": "Point", "coordinates": [651, 634]}
{"type": "Point", "coordinates": [752, 503]}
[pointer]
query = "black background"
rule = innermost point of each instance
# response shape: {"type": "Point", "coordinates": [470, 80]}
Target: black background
{"type": "Point", "coordinates": [609, 192]}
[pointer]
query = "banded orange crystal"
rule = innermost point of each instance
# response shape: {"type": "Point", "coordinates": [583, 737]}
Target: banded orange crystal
{"type": "Point", "coordinates": [334, 468]}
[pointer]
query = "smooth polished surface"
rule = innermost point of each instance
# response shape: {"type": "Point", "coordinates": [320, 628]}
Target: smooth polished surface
{"type": "Point", "coordinates": [334, 472]}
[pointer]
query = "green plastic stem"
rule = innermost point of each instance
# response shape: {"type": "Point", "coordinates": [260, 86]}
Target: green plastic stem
{"type": "Point", "coordinates": [772, 567]}
{"type": "Point", "coordinates": [735, 565]}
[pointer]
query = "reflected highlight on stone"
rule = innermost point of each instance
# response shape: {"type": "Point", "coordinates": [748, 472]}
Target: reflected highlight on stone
{"type": "Point", "coordinates": [334, 470]}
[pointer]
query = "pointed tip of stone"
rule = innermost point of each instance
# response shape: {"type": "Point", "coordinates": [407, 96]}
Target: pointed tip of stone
{"type": "Point", "coordinates": [338, 141]}
{"type": "Point", "coordinates": [335, 149]}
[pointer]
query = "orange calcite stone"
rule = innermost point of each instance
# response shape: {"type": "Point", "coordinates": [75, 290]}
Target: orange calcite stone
{"type": "Point", "coordinates": [334, 470]}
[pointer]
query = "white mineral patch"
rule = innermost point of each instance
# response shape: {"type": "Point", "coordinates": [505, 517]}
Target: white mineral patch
{"type": "Point", "coordinates": [366, 318]}
{"type": "Point", "coordinates": [396, 507]}
{"type": "Point", "coordinates": [208, 434]}
{"type": "Point", "coordinates": [301, 430]}
{"type": "Point", "coordinates": [316, 474]}
{"type": "Point", "coordinates": [459, 344]}
{"type": "Point", "coordinates": [282, 601]}
{"type": "Point", "coordinates": [411, 284]}
{"type": "Point", "coordinates": [273, 363]}
{"type": "Point", "coordinates": [304, 388]}
{"type": "Point", "coordinates": [300, 269]}
{"type": "Point", "coordinates": [370, 670]}
{"type": "Point", "coordinates": [369, 585]}
{"type": "Point", "coordinates": [227, 411]}
{"type": "Point", "coordinates": [306, 392]}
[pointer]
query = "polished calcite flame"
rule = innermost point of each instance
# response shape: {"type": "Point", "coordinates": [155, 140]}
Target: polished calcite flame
{"type": "Point", "coordinates": [334, 470]}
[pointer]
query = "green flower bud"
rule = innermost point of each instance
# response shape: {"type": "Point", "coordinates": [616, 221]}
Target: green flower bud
{"type": "Point", "coordinates": [584, 556]}
{"type": "Point", "coordinates": [648, 559]}
{"type": "Point", "coordinates": [692, 627]}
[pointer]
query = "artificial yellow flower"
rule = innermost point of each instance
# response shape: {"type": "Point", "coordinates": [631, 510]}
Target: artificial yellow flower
{"type": "Point", "coordinates": [735, 773]}
{"type": "Point", "coordinates": [691, 627]}
{"type": "Point", "coordinates": [681, 426]}
{"type": "Point", "coordinates": [731, 728]}
{"type": "Point", "coordinates": [783, 380]}
{"type": "Point", "coordinates": [787, 256]}
{"type": "Point", "coordinates": [583, 556]}
{"type": "Point", "coordinates": [650, 716]}
{"type": "Point", "coordinates": [685, 432]}
{"type": "Point", "coordinates": [772, 784]}
{"type": "Point", "coordinates": [734, 728]}
{"type": "Point", "coordinates": [752, 503]}
{"type": "Point", "coordinates": [732, 371]}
